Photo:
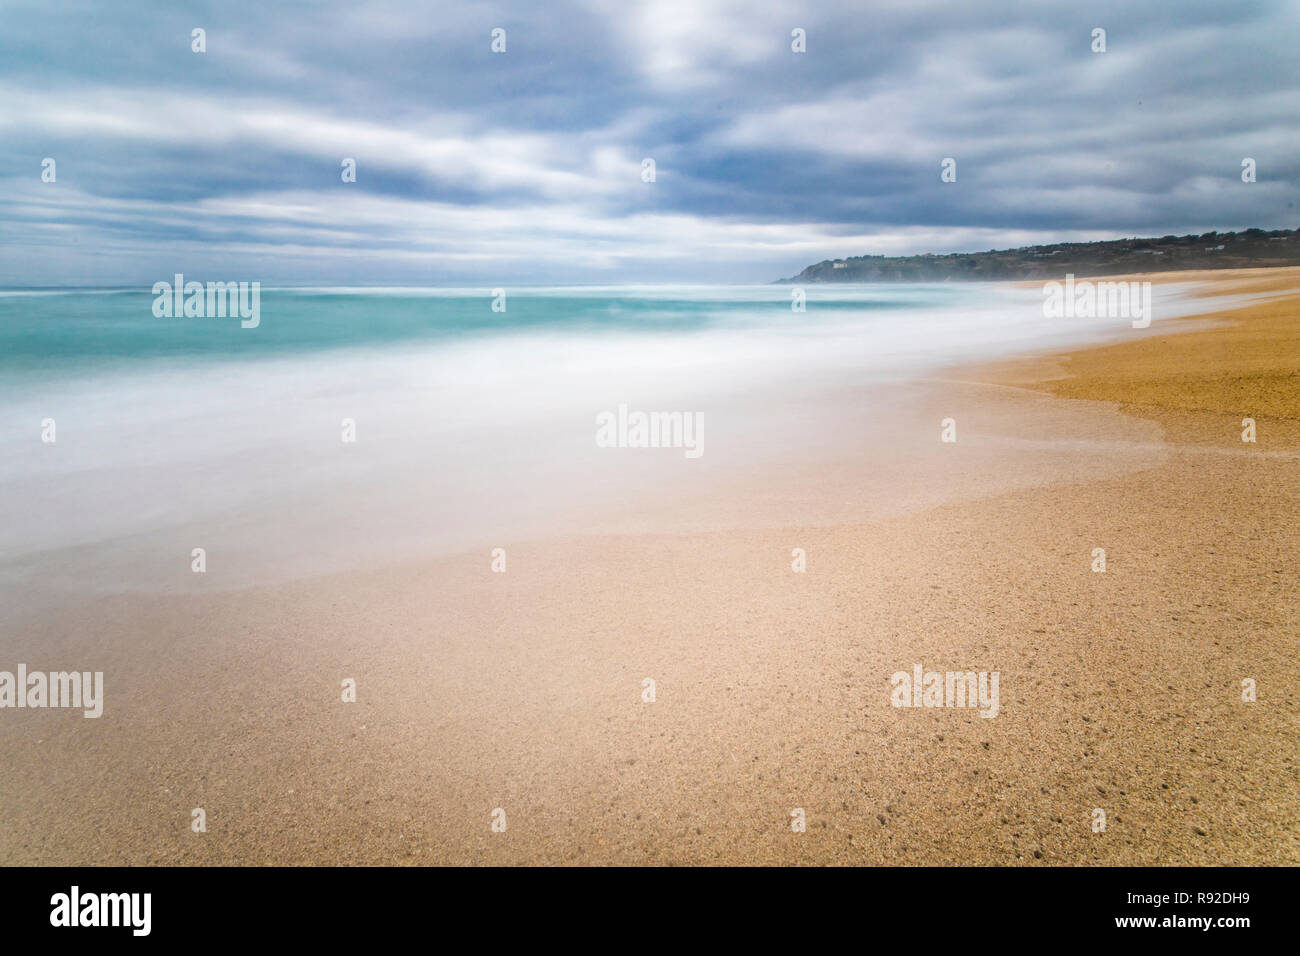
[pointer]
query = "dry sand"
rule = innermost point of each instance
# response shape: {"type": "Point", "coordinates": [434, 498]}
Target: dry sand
{"type": "Point", "coordinates": [1119, 691]}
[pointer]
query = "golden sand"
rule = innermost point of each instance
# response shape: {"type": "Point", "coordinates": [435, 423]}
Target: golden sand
{"type": "Point", "coordinates": [1246, 366]}
{"type": "Point", "coordinates": [1120, 691]}
{"type": "Point", "coordinates": [1249, 367]}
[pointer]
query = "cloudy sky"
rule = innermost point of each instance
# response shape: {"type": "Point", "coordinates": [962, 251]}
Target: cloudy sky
{"type": "Point", "coordinates": [525, 167]}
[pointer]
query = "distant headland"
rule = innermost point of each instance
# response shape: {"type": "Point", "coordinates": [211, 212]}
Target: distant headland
{"type": "Point", "coordinates": [1253, 248]}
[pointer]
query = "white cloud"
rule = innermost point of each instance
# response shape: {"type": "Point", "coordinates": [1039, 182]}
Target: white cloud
{"type": "Point", "coordinates": [451, 148]}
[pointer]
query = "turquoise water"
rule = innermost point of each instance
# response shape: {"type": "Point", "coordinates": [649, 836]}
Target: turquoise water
{"type": "Point", "coordinates": [471, 425]}
{"type": "Point", "coordinates": [53, 333]}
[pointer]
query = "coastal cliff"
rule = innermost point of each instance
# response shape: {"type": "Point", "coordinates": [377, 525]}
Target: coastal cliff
{"type": "Point", "coordinates": [1252, 248]}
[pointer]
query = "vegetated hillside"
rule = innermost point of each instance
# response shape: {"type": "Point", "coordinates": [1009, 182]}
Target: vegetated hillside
{"type": "Point", "coordinates": [1214, 250]}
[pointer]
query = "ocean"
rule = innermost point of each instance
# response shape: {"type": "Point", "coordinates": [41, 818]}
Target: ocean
{"type": "Point", "coordinates": [468, 425]}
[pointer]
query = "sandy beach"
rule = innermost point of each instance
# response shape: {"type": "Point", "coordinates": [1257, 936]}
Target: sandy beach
{"type": "Point", "coordinates": [1119, 691]}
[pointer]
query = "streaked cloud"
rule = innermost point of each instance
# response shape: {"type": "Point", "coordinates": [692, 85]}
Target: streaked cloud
{"type": "Point", "coordinates": [525, 167]}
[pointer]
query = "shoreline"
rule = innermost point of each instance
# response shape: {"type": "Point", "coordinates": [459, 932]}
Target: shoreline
{"type": "Point", "coordinates": [524, 690]}
{"type": "Point", "coordinates": [1194, 382]}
